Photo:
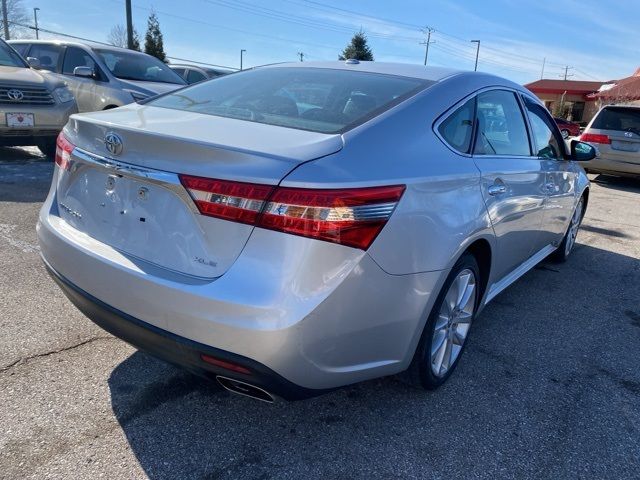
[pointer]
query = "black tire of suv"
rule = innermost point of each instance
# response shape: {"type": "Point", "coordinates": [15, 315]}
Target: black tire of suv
{"type": "Point", "coordinates": [48, 148]}
{"type": "Point", "coordinates": [419, 373]}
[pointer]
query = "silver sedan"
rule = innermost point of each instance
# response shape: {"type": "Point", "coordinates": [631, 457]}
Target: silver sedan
{"type": "Point", "coordinates": [291, 229]}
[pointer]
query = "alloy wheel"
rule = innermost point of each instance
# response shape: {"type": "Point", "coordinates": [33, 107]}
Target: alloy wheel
{"type": "Point", "coordinates": [573, 228]}
{"type": "Point", "coordinates": [453, 322]}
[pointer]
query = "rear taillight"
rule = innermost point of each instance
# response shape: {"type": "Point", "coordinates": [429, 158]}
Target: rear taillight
{"type": "Point", "coordinates": [352, 217]}
{"type": "Point", "coordinates": [239, 202]}
{"type": "Point", "coordinates": [595, 138]}
{"type": "Point", "coordinates": [63, 151]}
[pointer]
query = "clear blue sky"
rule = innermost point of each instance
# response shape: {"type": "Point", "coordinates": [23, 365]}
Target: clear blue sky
{"type": "Point", "coordinates": [599, 39]}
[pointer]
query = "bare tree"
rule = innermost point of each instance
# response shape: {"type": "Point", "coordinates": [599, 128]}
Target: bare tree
{"type": "Point", "coordinates": [17, 15]}
{"type": "Point", "coordinates": [118, 37]}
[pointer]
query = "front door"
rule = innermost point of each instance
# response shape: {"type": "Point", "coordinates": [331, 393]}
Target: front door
{"type": "Point", "coordinates": [561, 178]}
{"type": "Point", "coordinates": [84, 89]}
{"type": "Point", "coordinates": [513, 182]}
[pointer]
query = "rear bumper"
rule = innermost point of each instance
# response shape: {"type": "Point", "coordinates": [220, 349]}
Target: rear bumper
{"type": "Point", "coordinates": [317, 314]}
{"type": "Point", "coordinates": [616, 167]}
{"type": "Point", "coordinates": [175, 349]}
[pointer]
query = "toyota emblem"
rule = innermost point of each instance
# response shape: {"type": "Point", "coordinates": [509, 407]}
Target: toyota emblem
{"type": "Point", "coordinates": [15, 95]}
{"type": "Point", "coordinates": [113, 143]}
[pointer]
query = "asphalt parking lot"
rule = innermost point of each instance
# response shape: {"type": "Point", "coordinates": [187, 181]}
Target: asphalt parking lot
{"type": "Point", "coordinates": [549, 386]}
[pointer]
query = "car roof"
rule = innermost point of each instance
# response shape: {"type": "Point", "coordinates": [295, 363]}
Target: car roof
{"type": "Point", "coordinates": [400, 69]}
{"type": "Point", "coordinates": [74, 43]}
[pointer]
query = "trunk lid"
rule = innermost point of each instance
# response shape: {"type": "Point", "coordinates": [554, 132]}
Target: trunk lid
{"type": "Point", "coordinates": [134, 201]}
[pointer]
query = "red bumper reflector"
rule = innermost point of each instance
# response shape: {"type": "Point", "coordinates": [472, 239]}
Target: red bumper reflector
{"type": "Point", "coordinates": [63, 151]}
{"type": "Point", "coordinates": [226, 365]}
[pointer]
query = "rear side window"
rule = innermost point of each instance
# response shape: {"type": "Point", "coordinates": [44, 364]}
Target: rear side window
{"type": "Point", "coordinates": [620, 119]}
{"type": "Point", "coordinates": [49, 55]}
{"type": "Point", "coordinates": [501, 127]}
{"type": "Point", "coordinates": [457, 129]}
{"type": "Point", "coordinates": [546, 141]}
{"type": "Point", "coordinates": [315, 99]}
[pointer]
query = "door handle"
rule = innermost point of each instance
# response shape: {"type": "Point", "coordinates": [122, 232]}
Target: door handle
{"type": "Point", "coordinates": [497, 189]}
{"type": "Point", "coordinates": [550, 187]}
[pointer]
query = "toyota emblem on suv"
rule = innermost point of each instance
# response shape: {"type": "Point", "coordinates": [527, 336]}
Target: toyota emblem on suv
{"type": "Point", "coordinates": [15, 94]}
{"type": "Point", "coordinates": [113, 143]}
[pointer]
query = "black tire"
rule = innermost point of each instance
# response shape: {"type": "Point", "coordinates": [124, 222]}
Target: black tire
{"type": "Point", "coordinates": [562, 253]}
{"type": "Point", "coordinates": [565, 133]}
{"type": "Point", "coordinates": [48, 148]}
{"type": "Point", "coordinates": [420, 372]}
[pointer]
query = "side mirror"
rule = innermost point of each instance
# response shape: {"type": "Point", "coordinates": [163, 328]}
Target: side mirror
{"type": "Point", "coordinates": [34, 62]}
{"type": "Point", "coordinates": [85, 72]}
{"type": "Point", "coordinates": [582, 152]}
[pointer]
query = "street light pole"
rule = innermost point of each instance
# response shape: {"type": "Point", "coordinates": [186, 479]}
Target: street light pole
{"type": "Point", "coordinates": [35, 19]}
{"type": "Point", "coordinates": [5, 20]}
{"type": "Point", "coordinates": [475, 69]}
{"type": "Point", "coordinates": [241, 57]}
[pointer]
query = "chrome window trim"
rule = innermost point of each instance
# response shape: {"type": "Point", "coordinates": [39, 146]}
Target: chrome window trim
{"type": "Point", "coordinates": [444, 116]}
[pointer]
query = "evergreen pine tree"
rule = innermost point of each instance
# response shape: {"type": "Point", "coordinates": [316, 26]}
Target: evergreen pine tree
{"type": "Point", "coordinates": [153, 39]}
{"type": "Point", "coordinates": [357, 49]}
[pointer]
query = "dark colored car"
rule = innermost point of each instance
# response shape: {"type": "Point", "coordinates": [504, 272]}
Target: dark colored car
{"type": "Point", "coordinates": [567, 128]}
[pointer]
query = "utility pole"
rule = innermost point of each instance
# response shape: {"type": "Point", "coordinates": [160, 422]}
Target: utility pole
{"type": "Point", "coordinates": [129, 26]}
{"type": "Point", "coordinates": [241, 57]}
{"type": "Point", "coordinates": [475, 69]}
{"type": "Point", "coordinates": [35, 19]}
{"type": "Point", "coordinates": [428, 31]}
{"type": "Point", "coordinates": [566, 72]}
{"type": "Point", "coordinates": [5, 20]}
{"type": "Point", "coordinates": [544, 61]}
{"type": "Point", "coordinates": [301, 55]}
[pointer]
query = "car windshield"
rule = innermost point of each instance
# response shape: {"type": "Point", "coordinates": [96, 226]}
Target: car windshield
{"type": "Point", "coordinates": [9, 58]}
{"type": "Point", "coordinates": [136, 66]}
{"type": "Point", "coordinates": [316, 99]}
{"type": "Point", "coordinates": [621, 119]}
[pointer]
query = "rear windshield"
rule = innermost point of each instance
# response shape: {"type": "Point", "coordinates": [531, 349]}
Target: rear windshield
{"type": "Point", "coordinates": [319, 100]}
{"type": "Point", "coordinates": [621, 119]}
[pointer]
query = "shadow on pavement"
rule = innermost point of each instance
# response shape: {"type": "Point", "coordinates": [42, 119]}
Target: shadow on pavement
{"type": "Point", "coordinates": [625, 184]}
{"type": "Point", "coordinates": [548, 387]}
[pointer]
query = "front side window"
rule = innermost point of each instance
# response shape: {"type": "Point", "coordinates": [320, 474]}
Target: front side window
{"type": "Point", "coordinates": [76, 57]}
{"type": "Point", "coordinates": [457, 129]}
{"type": "Point", "coordinates": [127, 65]}
{"type": "Point", "coordinates": [194, 76]}
{"type": "Point", "coordinates": [316, 99]}
{"type": "Point", "coordinates": [501, 127]}
{"type": "Point", "coordinates": [21, 48]}
{"type": "Point", "coordinates": [546, 142]}
{"type": "Point", "coordinates": [49, 55]}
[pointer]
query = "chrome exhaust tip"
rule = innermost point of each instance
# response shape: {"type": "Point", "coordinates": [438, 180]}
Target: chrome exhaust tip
{"type": "Point", "coordinates": [246, 389]}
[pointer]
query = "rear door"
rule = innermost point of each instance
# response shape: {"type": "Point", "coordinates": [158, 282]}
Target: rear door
{"type": "Point", "coordinates": [560, 176]}
{"type": "Point", "coordinates": [622, 126]}
{"type": "Point", "coordinates": [512, 180]}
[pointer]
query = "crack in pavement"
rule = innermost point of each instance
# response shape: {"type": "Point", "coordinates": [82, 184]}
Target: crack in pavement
{"type": "Point", "coordinates": [22, 360]}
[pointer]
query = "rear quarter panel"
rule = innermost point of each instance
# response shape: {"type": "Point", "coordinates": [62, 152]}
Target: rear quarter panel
{"type": "Point", "coordinates": [442, 210]}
